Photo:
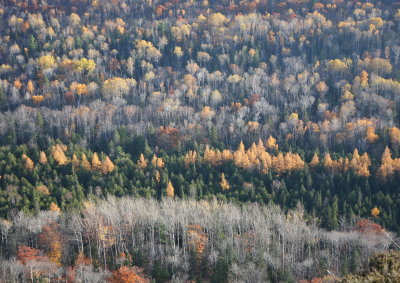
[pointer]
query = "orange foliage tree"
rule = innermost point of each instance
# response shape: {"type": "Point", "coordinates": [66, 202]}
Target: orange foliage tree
{"type": "Point", "coordinates": [127, 275]}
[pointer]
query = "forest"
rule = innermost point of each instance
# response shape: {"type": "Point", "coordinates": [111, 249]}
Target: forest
{"type": "Point", "coordinates": [198, 141]}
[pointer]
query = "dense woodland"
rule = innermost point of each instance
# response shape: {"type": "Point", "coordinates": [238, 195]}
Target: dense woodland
{"type": "Point", "coordinates": [284, 113]}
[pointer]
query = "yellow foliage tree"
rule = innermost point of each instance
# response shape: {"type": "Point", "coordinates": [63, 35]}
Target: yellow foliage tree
{"type": "Point", "coordinates": [386, 169]}
{"type": "Point", "coordinates": [43, 189]}
{"type": "Point", "coordinates": [30, 88]}
{"type": "Point", "coordinates": [96, 163]}
{"type": "Point", "coordinates": [328, 162]}
{"type": "Point", "coordinates": [46, 61]}
{"type": "Point", "coordinates": [75, 162]}
{"type": "Point", "coordinates": [58, 154]}
{"type": "Point", "coordinates": [375, 212]}
{"type": "Point", "coordinates": [224, 183]}
{"type": "Point", "coordinates": [142, 162]}
{"type": "Point", "coordinates": [42, 158]}
{"type": "Point", "coordinates": [107, 166]}
{"type": "Point", "coordinates": [371, 137]}
{"type": "Point", "coordinates": [394, 134]}
{"type": "Point", "coordinates": [29, 164]}
{"type": "Point", "coordinates": [278, 163]}
{"type": "Point", "coordinates": [85, 163]}
{"type": "Point", "coordinates": [37, 99]}
{"type": "Point", "coordinates": [170, 190]}
{"type": "Point", "coordinates": [314, 161]}
{"type": "Point", "coordinates": [190, 158]}
{"type": "Point", "coordinates": [271, 144]}
{"type": "Point", "coordinates": [364, 78]}
{"type": "Point", "coordinates": [54, 207]}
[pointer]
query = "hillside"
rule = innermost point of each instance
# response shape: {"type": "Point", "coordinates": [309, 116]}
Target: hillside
{"type": "Point", "coordinates": [283, 105]}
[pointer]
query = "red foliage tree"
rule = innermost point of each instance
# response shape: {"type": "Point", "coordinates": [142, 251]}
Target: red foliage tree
{"type": "Point", "coordinates": [127, 275]}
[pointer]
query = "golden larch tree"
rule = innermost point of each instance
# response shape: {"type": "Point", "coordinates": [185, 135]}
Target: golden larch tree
{"type": "Point", "coordinates": [54, 207]}
{"type": "Point", "coordinates": [58, 154]}
{"type": "Point", "coordinates": [42, 158]}
{"type": "Point", "coordinates": [75, 162]}
{"type": "Point", "coordinates": [142, 162]}
{"type": "Point", "coordinates": [96, 163]}
{"type": "Point", "coordinates": [328, 162]}
{"type": "Point", "coordinates": [278, 163]}
{"type": "Point", "coordinates": [386, 169]}
{"type": "Point", "coordinates": [394, 134]}
{"type": "Point", "coordinates": [224, 183]}
{"type": "Point", "coordinates": [271, 144]}
{"type": "Point", "coordinates": [170, 190]}
{"type": "Point", "coordinates": [29, 164]}
{"type": "Point", "coordinates": [370, 135]}
{"type": "Point", "coordinates": [107, 166]}
{"type": "Point", "coordinates": [314, 161]}
{"type": "Point", "coordinates": [85, 163]}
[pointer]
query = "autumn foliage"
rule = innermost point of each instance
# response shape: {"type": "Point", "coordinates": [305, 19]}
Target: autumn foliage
{"type": "Point", "coordinates": [127, 275]}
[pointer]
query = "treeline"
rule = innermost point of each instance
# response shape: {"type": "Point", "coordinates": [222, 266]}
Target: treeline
{"type": "Point", "coordinates": [317, 75]}
{"type": "Point", "coordinates": [135, 240]}
{"type": "Point", "coordinates": [332, 187]}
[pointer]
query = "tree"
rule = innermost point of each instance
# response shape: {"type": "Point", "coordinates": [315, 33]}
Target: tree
{"type": "Point", "coordinates": [59, 155]}
{"type": "Point", "coordinates": [96, 164]}
{"type": "Point", "coordinates": [47, 61]}
{"type": "Point", "coordinates": [42, 158]}
{"type": "Point", "coordinates": [107, 166]}
{"type": "Point", "coordinates": [224, 183]}
{"type": "Point", "coordinates": [142, 162]}
{"type": "Point", "coordinates": [375, 212]}
{"type": "Point", "coordinates": [190, 158]}
{"type": "Point", "coordinates": [29, 164]}
{"type": "Point", "coordinates": [271, 144]}
{"type": "Point", "coordinates": [127, 275]}
{"type": "Point", "coordinates": [170, 190]}
{"type": "Point", "coordinates": [85, 163]}
{"type": "Point", "coordinates": [314, 161]}
{"type": "Point", "coordinates": [74, 19]}
{"type": "Point", "coordinates": [394, 134]}
{"type": "Point", "coordinates": [51, 239]}
{"type": "Point", "coordinates": [371, 137]}
{"type": "Point", "coordinates": [54, 207]}
{"type": "Point", "coordinates": [328, 162]}
{"type": "Point", "coordinates": [386, 169]}
{"type": "Point", "coordinates": [114, 87]}
{"type": "Point", "coordinates": [75, 162]}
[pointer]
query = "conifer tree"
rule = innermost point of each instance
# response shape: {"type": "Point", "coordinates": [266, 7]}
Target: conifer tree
{"type": "Point", "coordinates": [170, 190]}
{"type": "Point", "coordinates": [42, 158]}
{"type": "Point", "coordinates": [224, 183]}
